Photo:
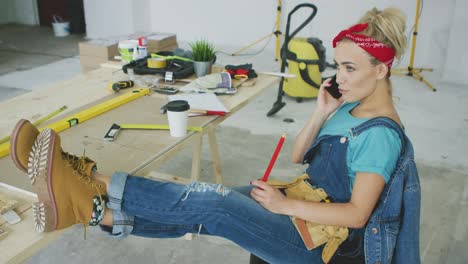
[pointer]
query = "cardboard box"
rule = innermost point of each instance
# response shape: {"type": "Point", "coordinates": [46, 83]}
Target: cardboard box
{"type": "Point", "coordinates": [95, 52]}
{"type": "Point", "coordinates": [157, 39]}
{"type": "Point", "coordinates": [99, 48]}
{"type": "Point", "coordinates": [108, 48]}
{"type": "Point", "coordinates": [161, 40]}
{"type": "Point", "coordinates": [166, 48]}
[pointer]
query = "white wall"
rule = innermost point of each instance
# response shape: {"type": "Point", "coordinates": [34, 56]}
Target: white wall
{"type": "Point", "coordinates": [6, 12]}
{"type": "Point", "coordinates": [106, 18]}
{"type": "Point", "coordinates": [233, 23]}
{"type": "Point", "coordinates": [236, 24]}
{"type": "Point", "coordinates": [19, 11]}
{"type": "Point", "coordinates": [26, 12]}
{"type": "Point", "coordinates": [141, 16]}
{"type": "Point", "coordinates": [456, 64]}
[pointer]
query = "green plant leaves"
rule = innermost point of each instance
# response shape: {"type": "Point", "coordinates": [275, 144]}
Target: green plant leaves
{"type": "Point", "coordinates": [202, 50]}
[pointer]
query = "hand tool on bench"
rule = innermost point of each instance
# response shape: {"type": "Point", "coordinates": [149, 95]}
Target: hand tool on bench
{"type": "Point", "coordinates": [117, 86]}
{"type": "Point", "coordinates": [115, 129]}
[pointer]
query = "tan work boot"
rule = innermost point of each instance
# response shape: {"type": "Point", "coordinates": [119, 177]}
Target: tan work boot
{"type": "Point", "coordinates": [64, 190]}
{"type": "Point", "coordinates": [23, 138]}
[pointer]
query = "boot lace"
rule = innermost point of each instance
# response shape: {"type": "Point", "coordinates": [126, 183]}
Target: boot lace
{"type": "Point", "coordinates": [79, 168]}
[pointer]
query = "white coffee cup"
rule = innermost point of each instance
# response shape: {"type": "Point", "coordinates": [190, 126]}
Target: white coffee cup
{"type": "Point", "coordinates": [177, 115]}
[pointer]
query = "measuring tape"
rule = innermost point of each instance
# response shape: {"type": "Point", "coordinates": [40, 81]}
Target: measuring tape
{"type": "Point", "coordinates": [156, 127]}
{"type": "Point", "coordinates": [114, 130]}
{"type": "Point", "coordinates": [157, 63]}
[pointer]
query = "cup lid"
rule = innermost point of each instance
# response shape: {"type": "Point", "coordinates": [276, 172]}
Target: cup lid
{"type": "Point", "coordinates": [178, 106]}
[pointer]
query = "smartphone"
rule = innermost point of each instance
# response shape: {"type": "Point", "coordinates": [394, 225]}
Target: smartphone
{"type": "Point", "coordinates": [333, 88]}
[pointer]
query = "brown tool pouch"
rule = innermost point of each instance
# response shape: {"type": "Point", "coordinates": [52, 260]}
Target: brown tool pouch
{"type": "Point", "coordinates": [313, 235]}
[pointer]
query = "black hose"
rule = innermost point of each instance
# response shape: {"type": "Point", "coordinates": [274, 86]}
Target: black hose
{"type": "Point", "coordinates": [279, 104]}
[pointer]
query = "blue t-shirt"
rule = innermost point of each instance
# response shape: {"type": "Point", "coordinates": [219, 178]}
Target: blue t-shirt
{"type": "Point", "coordinates": [375, 150]}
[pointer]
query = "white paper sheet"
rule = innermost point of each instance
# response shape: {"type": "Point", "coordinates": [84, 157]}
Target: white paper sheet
{"type": "Point", "coordinates": [203, 101]}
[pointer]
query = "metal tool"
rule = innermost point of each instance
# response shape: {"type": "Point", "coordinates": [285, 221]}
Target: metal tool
{"type": "Point", "coordinates": [169, 77]}
{"type": "Point", "coordinates": [116, 86]}
{"type": "Point", "coordinates": [115, 129]}
{"type": "Point", "coordinates": [166, 90]}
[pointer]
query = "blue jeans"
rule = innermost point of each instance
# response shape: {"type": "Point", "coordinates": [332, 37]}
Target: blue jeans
{"type": "Point", "coordinates": [156, 209]}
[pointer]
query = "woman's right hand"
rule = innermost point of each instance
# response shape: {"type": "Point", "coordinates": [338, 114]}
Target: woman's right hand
{"type": "Point", "coordinates": [327, 104]}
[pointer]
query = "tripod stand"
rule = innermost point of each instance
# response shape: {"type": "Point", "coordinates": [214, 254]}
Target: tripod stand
{"type": "Point", "coordinates": [410, 71]}
{"type": "Point", "coordinates": [277, 34]}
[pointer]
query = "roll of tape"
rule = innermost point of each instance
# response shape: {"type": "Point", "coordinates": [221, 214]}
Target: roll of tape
{"type": "Point", "coordinates": [157, 63]}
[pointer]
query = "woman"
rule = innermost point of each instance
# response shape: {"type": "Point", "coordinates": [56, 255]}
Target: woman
{"type": "Point", "coordinates": [353, 156]}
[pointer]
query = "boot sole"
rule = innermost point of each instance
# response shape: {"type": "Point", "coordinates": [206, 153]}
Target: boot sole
{"type": "Point", "coordinates": [13, 141]}
{"type": "Point", "coordinates": [39, 172]}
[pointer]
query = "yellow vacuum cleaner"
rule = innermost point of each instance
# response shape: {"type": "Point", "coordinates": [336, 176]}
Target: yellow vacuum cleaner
{"type": "Point", "coordinates": [303, 57]}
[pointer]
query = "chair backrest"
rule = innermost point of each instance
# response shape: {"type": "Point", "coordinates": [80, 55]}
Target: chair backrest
{"type": "Point", "coordinates": [392, 232]}
{"type": "Point", "coordinates": [256, 260]}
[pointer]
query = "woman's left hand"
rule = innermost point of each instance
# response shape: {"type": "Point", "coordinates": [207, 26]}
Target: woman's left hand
{"type": "Point", "coordinates": [269, 197]}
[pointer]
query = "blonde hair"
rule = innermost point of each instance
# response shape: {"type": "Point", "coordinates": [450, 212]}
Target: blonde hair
{"type": "Point", "coordinates": [388, 27]}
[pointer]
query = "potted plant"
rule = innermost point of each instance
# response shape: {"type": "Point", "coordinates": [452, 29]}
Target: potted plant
{"type": "Point", "coordinates": [203, 54]}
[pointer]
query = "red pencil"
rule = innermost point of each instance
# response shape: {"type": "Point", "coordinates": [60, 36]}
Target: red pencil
{"type": "Point", "coordinates": [273, 158]}
{"type": "Point", "coordinates": [207, 112]}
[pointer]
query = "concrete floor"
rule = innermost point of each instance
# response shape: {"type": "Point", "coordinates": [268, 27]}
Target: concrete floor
{"type": "Point", "coordinates": [436, 123]}
{"type": "Point", "coordinates": [25, 48]}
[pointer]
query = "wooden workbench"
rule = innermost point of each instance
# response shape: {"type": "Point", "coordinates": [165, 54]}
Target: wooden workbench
{"type": "Point", "coordinates": [136, 152]}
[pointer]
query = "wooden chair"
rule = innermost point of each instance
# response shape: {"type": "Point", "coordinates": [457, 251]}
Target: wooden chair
{"type": "Point", "coordinates": [256, 260]}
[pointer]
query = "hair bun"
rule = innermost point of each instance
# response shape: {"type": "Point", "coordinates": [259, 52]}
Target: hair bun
{"type": "Point", "coordinates": [388, 27]}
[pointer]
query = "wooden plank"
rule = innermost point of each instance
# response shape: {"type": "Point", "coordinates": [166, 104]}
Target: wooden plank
{"type": "Point", "coordinates": [215, 155]}
{"type": "Point", "coordinates": [246, 94]}
{"type": "Point", "coordinates": [166, 177]}
{"type": "Point", "coordinates": [22, 240]}
{"type": "Point", "coordinates": [73, 93]}
{"type": "Point", "coordinates": [196, 157]}
{"type": "Point", "coordinates": [24, 199]}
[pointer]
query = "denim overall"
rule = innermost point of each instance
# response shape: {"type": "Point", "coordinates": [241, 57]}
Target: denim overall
{"type": "Point", "coordinates": [154, 209]}
{"type": "Point", "coordinates": [328, 170]}
{"type": "Point", "coordinates": [392, 233]}
{"type": "Point", "coordinates": [157, 209]}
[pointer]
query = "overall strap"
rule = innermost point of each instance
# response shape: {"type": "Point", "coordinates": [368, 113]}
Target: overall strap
{"type": "Point", "coordinates": [380, 121]}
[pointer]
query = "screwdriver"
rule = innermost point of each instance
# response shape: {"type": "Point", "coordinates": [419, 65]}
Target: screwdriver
{"type": "Point", "coordinates": [120, 85]}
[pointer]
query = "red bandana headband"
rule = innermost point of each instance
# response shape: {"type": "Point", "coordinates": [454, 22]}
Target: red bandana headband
{"type": "Point", "coordinates": [374, 47]}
